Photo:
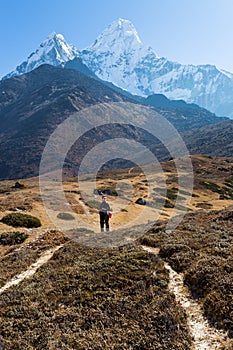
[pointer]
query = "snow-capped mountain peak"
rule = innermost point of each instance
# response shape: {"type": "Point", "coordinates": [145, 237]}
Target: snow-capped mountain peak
{"type": "Point", "coordinates": [120, 36]}
{"type": "Point", "coordinates": [120, 32]}
{"type": "Point", "coordinates": [127, 27]}
{"type": "Point", "coordinates": [119, 56]}
{"type": "Point", "coordinates": [53, 50]}
{"type": "Point", "coordinates": [116, 52]}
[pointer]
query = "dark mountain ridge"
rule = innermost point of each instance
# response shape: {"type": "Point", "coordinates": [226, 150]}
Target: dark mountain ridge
{"type": "Point", "coordinates": [212, 140]}
{"type": "Point", "coordinates": [184, 116]}
{"type": "Point", "coordinates": [34, 104]}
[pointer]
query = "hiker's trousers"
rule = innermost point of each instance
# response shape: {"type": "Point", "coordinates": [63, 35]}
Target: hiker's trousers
{"type": "Point", "coordinates": [104, 220]}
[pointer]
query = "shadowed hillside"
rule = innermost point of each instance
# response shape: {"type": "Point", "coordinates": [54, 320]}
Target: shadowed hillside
{"type": "Point", "coordinates": [34, 104]}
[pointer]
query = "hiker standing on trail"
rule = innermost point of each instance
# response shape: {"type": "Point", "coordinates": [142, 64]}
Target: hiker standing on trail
{"type": "Point", "coordinates": [104, 214]}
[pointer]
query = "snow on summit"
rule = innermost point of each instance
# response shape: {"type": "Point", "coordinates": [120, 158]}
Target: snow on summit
{"type": "Point", "coordinates": [119, 56]}
{"type": "Point", "coordinates": [120, 34]}
{"type": "Point", "coordinates": [115, 54]}
{"type": "Point", "coordinates": [53, 50]}
{"type": "Point", "coordinates": [121, 38]}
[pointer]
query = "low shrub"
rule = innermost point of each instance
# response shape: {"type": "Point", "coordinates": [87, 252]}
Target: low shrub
{"type": "Point", "coordinates": [83, 230]}
{"type": "Point", "coordinates": [195, 195]}
{"type": "Point", "coordinates": [65, 216]}
{"type": "Point", "coordinates": [172, 193]}
{"type": "Point", "coordinates": [211, 186]}
{"type": "Point", "coordinates": [184, 192]}
{"type": "Point", "coordinates": [100, 298]}
{"type": "Point", "coordinates": [224, 192]}
{"type": "Point", "coordinates": [21, 220]}
{"type": "Point", "coordinates": [204, 205]}
{"type": "Point", "coordinates": [167, 250]}
{"type": "Point", "coordinates": [94, 204]}
{"type": "Point", "coordinates": [114, 193]}
{"type": "Point", "coordinates": [159, 191]}
{"type": "Point", "coordinates": [201, 248]}
{"type": "Point", "coordinates": [168, 204]}
{"type": "Point", "coordinates": [11, 238]}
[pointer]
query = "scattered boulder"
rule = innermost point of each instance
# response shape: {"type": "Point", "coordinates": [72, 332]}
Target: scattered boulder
{"type": "Point", "coordinates": [140, 201]}
{"type": "Point", "coordinates": [19, 184]}
{"type": "Point", "coordinates": [65, 216]}
{"type": "Point", "coordinates": [97, 192]}
{"type": "Point", "coordinates": [108, 192]}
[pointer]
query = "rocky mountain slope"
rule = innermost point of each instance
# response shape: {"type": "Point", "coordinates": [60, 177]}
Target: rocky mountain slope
{"type": "Point", "coordinates": [212, 139]}
{"type": "Point", "coordinates": [34, 104]}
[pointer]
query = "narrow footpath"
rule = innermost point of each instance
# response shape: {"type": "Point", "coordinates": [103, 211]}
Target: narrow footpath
{"type": "Point", "coordinates": [44, 258]}
{"type": "Point", "coordinates": [204, 336]}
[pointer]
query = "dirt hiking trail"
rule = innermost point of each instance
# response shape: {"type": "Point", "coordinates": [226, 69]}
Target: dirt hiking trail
{"type": "Point", "coordinates": [43, 259]}
{"type": "Point", "coordinates": [204, 336]}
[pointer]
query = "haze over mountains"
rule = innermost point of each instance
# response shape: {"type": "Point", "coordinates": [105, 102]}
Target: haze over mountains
{"type": "Point", "coordinates": [118, 56]}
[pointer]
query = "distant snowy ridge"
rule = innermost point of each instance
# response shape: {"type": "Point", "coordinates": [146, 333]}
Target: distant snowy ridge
{"type": "Point", "coordinates": [54, 50]}
{"type": "Point", "coordinates": [119, 56]}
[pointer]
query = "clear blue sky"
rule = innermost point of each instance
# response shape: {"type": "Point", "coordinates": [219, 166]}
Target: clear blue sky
{"type": "Point", "coordinates": [186, 31]}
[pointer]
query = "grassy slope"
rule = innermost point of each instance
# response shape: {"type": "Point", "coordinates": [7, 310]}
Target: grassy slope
{"type": "Point", "coordinates": [95, 299]}
{"type": "Point", "coordinates": [202, 248]}
{"type": "Point", "coordinates": [17, 259]}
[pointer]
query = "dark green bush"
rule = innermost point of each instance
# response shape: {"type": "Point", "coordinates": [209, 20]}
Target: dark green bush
{"type": "Point", "coordinates": [114, 193]}
{"type": "Point", "coordinates": [225, 192]}
{"type": "Point", "coordinates": [195, 195]}
{"type": "Point", "coordinates": [211, 186]}
{"type": "Point", "coordinates": [168, 204]}
{"type": "Point", "coordinates": [11, 238]}
{"type": "Point", "coordinates": [172, 193]}
{"type": "Point", "coordinates": [21, 220]}
{"type": "Point", "coordinates": [65, 216]}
